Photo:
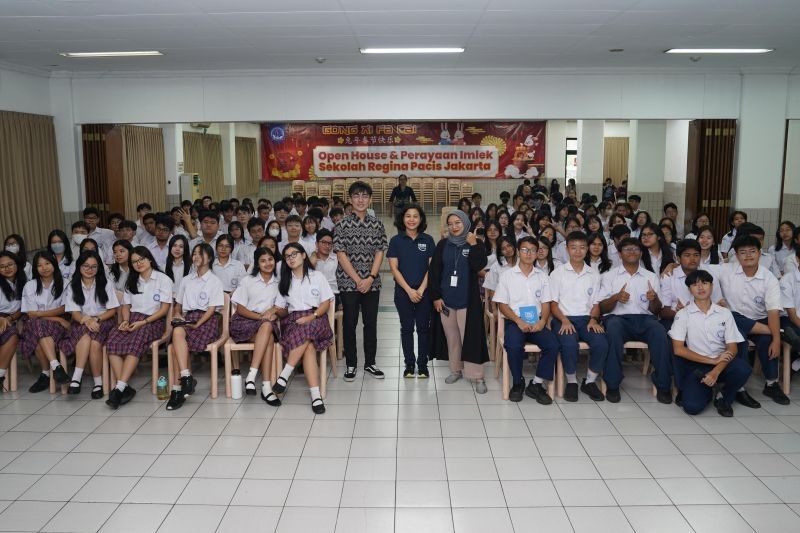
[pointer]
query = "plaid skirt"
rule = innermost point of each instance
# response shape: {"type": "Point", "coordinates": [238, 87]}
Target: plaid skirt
{"type": "Point", "coordinates": [136, 342]}
{"type": "Point", "coordinates": [77, 331]}
{"type": "Point", "coordinates": [34, 329]}
{"type": "Point", "coordinates": [198, 339]}
{"type": "Point", "coordinates": [244, 329]}
{"type": "Point", "coordinates": [9, 332]}
{"type": "Point", "coordinates": [293, 334]}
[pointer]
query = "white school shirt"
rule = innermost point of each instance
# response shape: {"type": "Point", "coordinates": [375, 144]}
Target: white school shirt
{"type": "Point", "coordinates": [751, 297]}
{"type": "Point", "coordinates": [177, 273]}
{"type": "Point", "coordinates": [159, 254]}
{"type": "Point", "coordinates": [230, 274]}
{"type": "Point", "coordinates": [327, 267]}
{"type": "Point", "coordinates": [491, 259]}
{"type": "Point", "coordinates": [283, 243]}
{"type": "Point", "coordinates": [200, 239]}
{"type": "Point", "coordinates": [546, 268]}
{"type": "Point", "coordinates": [766, 260]}
{"type": "Point", "coordinates": [613, 280]}
{"type": "Point", "coordinates": [198, 293]}
{"type": "Point", "coordinates": [781, 255]}
{"type": "Point", "coordinates": [40, 302]}
{"type": "Point", "coordinates": [180, 230]}
{"type": "Point", "coordinates": [120, 283]}
{"type": "Point", "coordinates": [673, 288]}
{"type": "Point", "coordinates": [327, 223]}
{"type": "Point", "coordinates": [145, 238]}
{"type": "Point", "coordinates": [308, 292]}
{"type": "Point", "coordinates": [705, 333]}
{"type": "Point", "coordinates": [574, 291]}
{"type": "Point", "coordinates": [258, 295]}
{"type": "Point", "coordinates": [560, 252]}
{"type": "Point", "coordinates": [790, 264]}
{"type": "Point", "coordinates": [790, 290]}
{"type": "Point", "coordinates": [66, 270]}
{"type": "Point", "coordinates": [7, 306]}
{"type": "Point", "coordinates": [493, 277]}
{"type": "Point", "coordinates": [28, 270]}
{"type": "Point", "coordinates": [309, 242]}
{"type": "Point", "coordinates": [104, 237]}
{"type": "Point", "coordinates": [727, 241]}
{"type": "Point", "coordinates": [613, 254]}
{"type": "Point", "coordinates": [516, 290]}
{"type": "Point", "coordinates": [91, 307]}
{"type": "Point", "coordinates": [243, 252]}
{"type": "Point", "coordinates": [152, 293]}
{"type": "Point", "coordinates": [707, 260]}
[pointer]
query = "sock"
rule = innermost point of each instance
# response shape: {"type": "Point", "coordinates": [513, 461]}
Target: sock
{"type": "Point", "coordinates": [286, 373]}
{"type": "Point", "coordinates": [572, 378]}
{"type": "Point", "coordinates": [98, 381]}
{"type": "Point", "coordinates": [185, 373]}
{"type": "Point", "coordinates": [46, 373]}
{"type": "Point", "coordinates": [315, 395]}
{"type": "Point", "coordinates": [771, 381]}
{"type": "Point", "coordinates": [77, 375]}
{"type": "Point", "coordinates": [796, 365]}
{"type": "Point", "coordinates": [266, 388]}
{"type": "Point", "coordinates": [591, 377]}
{"type": "Point", "coordinates": [251, 376]}
{"type": "Point", "coordinates": [121, 385]}
{"type": "Point", "coordinates": [2, 373]}
{"type": "Point", "coordinates": [176, 388]}
{"type": "Point", "coordinates": [54, 364]}
{"type": "Point", "coordinates": [537, 379]}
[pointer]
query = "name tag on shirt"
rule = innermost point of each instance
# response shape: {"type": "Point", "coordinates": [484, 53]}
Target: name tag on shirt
{"type": "Point", "coordinates": [454, 281]}
{"type": "Point", "coordinates": [529, 313]}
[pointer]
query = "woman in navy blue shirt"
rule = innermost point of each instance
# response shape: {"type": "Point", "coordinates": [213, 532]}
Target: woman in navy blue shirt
{"type": "Point", "coordinates": [409, 254]}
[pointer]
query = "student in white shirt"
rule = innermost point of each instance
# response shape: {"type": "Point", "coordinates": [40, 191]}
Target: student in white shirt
{"type": "Point", "coordinates": [766, 259]}
{"type": "Point", "coordinates": [91, 299]}
{"type": "Point", "coordinates": [736, 219]}
{"type": "Point", "coordinates": [226, 268]}
{"type": "Point", "coordinates": [704, 340]}
{"type": "Point", "coordinates": [258, 307]}
{"type": "Point", "coordinates": [306, 330]}
{"type": "Point", "coordinates": [709, 251]}
{"type": "Point", "coordinates": [12, 284]}
{"type": "Point", "coordinates": [790, 300]}
{"type": "Point", "coordinates": [275, 231]}
{"type": "Point", "coordinates": [524, 291]}
{"type": "Point", "coordinates": [326, 262]}
{"type": "Point", "coordinates": [142, 210]}
{"type": "Point", "coordinates": [43, 303]}
{"type": "Point", "coordinates": [519, 224]}
{"type": "Point", "coordinates": [120, 268]}
{"type": "Point", "coordinates": [160, 246]}
{"type": "Point", "coordinates": [597, 255]}
{"type": "Point", "coordinates": [209, 230]}
{"type": "Point", "coordinates": [148, 233]}
{"type": "Point", "coordinates": [179, 263]}
{"type": "Point", "coordinates": [784, 243]}
{"type": "Point", "coordinates": [309, 238]}
{"type": "Point", "coordinates": [145, 304]}
{"type": "Point", "coordinates": [675, 294]}
{"type": "Point", "coordinates": [576, 317]}
{"type": "Point", "coordinates": [104, 237]}
{"type": "Point", "coordinates": [544, 258]}
{"type": "Point", "coordinates": [560, 250]}
{"type": "Point", "coordinates": [657, 253]}
{"type": "Point", "coordinates": [245, 251]}
{"type": "Point", "coordinates": [506, 259]}
{"type": "Point", "coordinates": [195, 320]}
{"type": "Point", "coordinates": [618, 232]}
{"type": "Point", "coordinates": [294, 230]}
{"type": "Point", "coordinates": [58, 245]}
{"type": "Point", "coordinates": [630, 300]}
{"type": "Point", "coordinates": [16, 245]}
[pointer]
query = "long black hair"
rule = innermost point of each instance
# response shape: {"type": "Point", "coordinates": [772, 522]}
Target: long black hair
{"type": "Point", "coordinates": [13, 292]}
{"type": "Point", "coordinates": [236, 224]}
{"type": "Point", "coordinates": [511, 241]}
{"type": "Point", "coordinates": [778, 240]}
{"type": "Point", "coordinates": [64, 239]}
{"type": "Point", "coordinates": [84, 242]}
{"type": "Point", "coordinates": [286, 272]}
{"type": "Point", "coordinates": [489, 248]}
{"type": "Point", "coordinates": [187, 256]}
{"type": "Point", "coordinates": [22, 254]}
{"type": "Point", "coordinates": [544, 241]}
{"type": "Point", "coordinates": [667, 256]}
{"type": "Point", "coordinates": [257, 256]}
{"type": "Point", "coordinates": [635, 221]}
{"type": "Point", "coordinates": [714, 250]}
{"type": "Point", "coordinates": [58, 279]}
{"type": "Point", "coordinates": [100, 280]}
{"type": "Point", "coordinates": [115, 269]}
{"type": "Point", "coordinates": [730, 221]}
{"type": "Point", "coordinates": [695, 227]}
{"type": "Point", "coordinates": [605, 262]}
{"type": "Point", "coordinates": [132, 283]}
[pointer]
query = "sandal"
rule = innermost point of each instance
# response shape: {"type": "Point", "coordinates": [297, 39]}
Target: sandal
{"type": "Point", "coordinates": [271, 399]}
{"type": "Point", "coordinates": [280, 385]}
{"type": "Point", "coordinates": [74, 390]}
{"type": "Point", "coordinates": [97, 392]}
{"type": "Point", "coordinates": [318, 406]}
{"type": "Point", "coordinates": [250, 388]}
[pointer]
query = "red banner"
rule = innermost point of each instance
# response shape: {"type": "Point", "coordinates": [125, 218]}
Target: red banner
{"type": "Point", "coordinates": [298, 151]}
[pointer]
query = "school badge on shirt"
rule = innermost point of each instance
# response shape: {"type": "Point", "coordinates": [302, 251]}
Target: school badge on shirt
{"type": "Point", "coordinates": [423, 247]}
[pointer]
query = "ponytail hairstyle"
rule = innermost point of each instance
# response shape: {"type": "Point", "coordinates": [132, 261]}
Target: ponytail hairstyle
{"type": "Point", "coordinates": [100, 280]}
{"type": "Point", "coordinates": [58, 279]}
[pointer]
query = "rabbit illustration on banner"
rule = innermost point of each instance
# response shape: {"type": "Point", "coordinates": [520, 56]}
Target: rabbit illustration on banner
{"type": "Point", "coordinates": [444, 136]}
{"type": "Point", "coordinates": [458, 138]}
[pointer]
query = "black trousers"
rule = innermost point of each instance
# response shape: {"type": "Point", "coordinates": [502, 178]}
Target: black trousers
{"type": "Point", "coordinates": [367, 304]}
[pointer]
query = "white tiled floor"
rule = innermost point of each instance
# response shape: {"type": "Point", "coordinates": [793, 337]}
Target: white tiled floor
{"type": "Point", "coordinates": [396, 455]}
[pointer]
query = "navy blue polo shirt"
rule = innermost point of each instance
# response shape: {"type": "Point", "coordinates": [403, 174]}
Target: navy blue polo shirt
{"type": "Point", "coordinates": [412, 256]}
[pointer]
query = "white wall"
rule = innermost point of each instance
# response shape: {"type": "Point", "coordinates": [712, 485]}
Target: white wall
{"type": "Point", "coordinates": [646, 155]}
{"type": "Point", "coordinates": [677, 151]}
{"type": "Point", "coordinates": [24, 93]}
{"type": "Point", "coordinates": [792, 176]}
{"type": "Point", "coordinates": [616, 128]}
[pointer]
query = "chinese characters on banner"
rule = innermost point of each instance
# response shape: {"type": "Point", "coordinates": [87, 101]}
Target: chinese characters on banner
{"type": "Point", "coordinates": [418, 149]}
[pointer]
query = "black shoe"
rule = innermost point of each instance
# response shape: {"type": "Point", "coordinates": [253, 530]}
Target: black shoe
{"type": "Point", "coordinates": [613, 395]}
{"type": "Point", "coordinates": [188, 384]}
{"type": "Point", "coordinates": [723, 408]}
{"type": "Point", "coordinates": [250, 391]}
{"type": "Point", "coordinates": [350, 373]}
{"type": "Point", "coordinates": [114, 398]}
{"type": "Point", "coordinates": [516, 392]}
{"type": "Point", "coordinates": [280, 385]}
{"type": "Point", "coordinates": [2, 383]}
{"type": "Point", "coordinates": [74, 390]}
{"type": "Point", "coordinates": [664, 396]}
{"type": "Point", "coordinates": [571, 392]}
{"type": "Point", "coordinates": [409, 371]}
{"type": "Point", "coordinates": [744, 398]}
{"type": "Point", "coordinates": [789, 335]}
{"type": "Point", "coordinates": [775, 392]}
{"type": "Point", "coordinates": [236, 372]}
{"type": "Point", "coordinates": [679, 399]}
{"type": "Point", "coordinates": [176, 399]}
{"type": "Point", "coordinates": [42, 383]}
{"type": "Point", "coordinates": [592, 391]}
{"type": "Point", "coordinates": [538, 393]}
{"type": "Point", "coordinates": [374, 371]}
{"type": "Point", "coordinates": [423, 373]}
{"type": "Point", "coordinates": [318, 407]}
{"type": "Point", "coordinates": [271, 399]}
{"type": "Point", "coordinates": [127, 395]}
{"type": "Point", "coordinates": [97, 392]}
{"type": "Point", "coordinates": [60, 375]}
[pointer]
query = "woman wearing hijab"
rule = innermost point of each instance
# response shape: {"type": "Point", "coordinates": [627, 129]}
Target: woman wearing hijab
{"type": "Point", "coordinates": [457, 331]}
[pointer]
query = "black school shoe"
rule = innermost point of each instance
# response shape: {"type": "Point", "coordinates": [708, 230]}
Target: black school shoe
{"type": "Point", "coordinates": [188, 384]}
{"type": "Point", "coordinates": [538, 393]}
{"type": "Point", "coordinates": [42, 383]}
{"type": "Point", "coordinates": [97, 392]}
{"type": "Point", "coordinates": [613, 395]}
{"type": "Point", "coordinates": [423, 373]}
{"type": "Point", "coordinates": [571, 392]}
{"type": "Point", "coordinates": [409, 371]}
{"type": "Point", "coordinates": [664, 396]}
{"type": "Point", "coordinates": [723, 408]}
{"type": "Point", "coordinates": [60, 375]}
{"type": "Point", "coordinates": [274, 401]}
{"type": "Point", "coordinates": [516, 392]}
{"type": "Point", "coordinates": [74, 390]}
{"type": "Point", "coordinates": [127, 395]}
{"type": "Point", "coordinates": [114, 398]}
{"type": "Point", "coordinates": [176, 399]}
{"type": "Point", "coordinates": [592, 391]}
{"type": "Point", "coordinates": [775, 392]}
{"type": "Point", "coordinates": [744, 398]}
{"type": "Point", "coordinates": [374, 371]}
{"type": "Point", "coordinates": [318, 406]}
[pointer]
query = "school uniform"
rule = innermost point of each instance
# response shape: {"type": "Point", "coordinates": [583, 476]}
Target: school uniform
{"type": "Point", "coordinates": [305, 296]}
{"type": "Point", "coordinates": [105, 239]}
{"type": "Point", "coordinates": [90, 307]}
{"type": "Point", "coordinates": [283, 243]}
{"type": "Point", "coordinates": [545, 267]}
{"type": "Point", "coordinates": [145, 238]}
{"type": "Point", "coordinates": [613, 254]}
{"type": "Point", "coordinates": [328, 269]}
{"type": "Point", "coordinates": [575, 294]}
{"type": "Point", "coordinates": [790, 264]}
{"type": "Point", "coordinates": [160, 254]}
{"type": "Point", "coordinates": [309, 242]}
{"type": "Point", "coordinates": [766, 260]}
{"type": "Point", "coordinates": [790, 298]}
{"type": "Point", "coordinates": [28, 270]}
{"type": "Point", "coordinates": [413, 257]}
{"type": "Point", "coordinates": [196, 295]}
{"type": "Point", "coordinates": [177, 277]}
{"type": "Point", "coordinates": [257, 295]}
{"type": "Point", "coordinates": [780, 255]}
{"type": "Point", "coordinates": [66, 269]}
{"type": "Point", "coordinates": [707, 334]}
{"type": "Point", "coordinates": [674, 290]}
{"type": "Point", "coordinates": [201, 239]}
{"type": "Point", "coordinates": [327, 223]}
{"type": "Point", "coordinates": [8, 308]}
{"type": "Point", "coordinates": [119, 284]}
{"type": "Point", "coordinates": [727, 241]}
{"type": "Point", "coordinates": [492, 278]}
{"type": "Point", "coordinates": [244, 252]}
{"type": "Point", "coordinates": [517, 290]}
{"type": "Point", "coordinates": [229, 274]}
{"type": "Point", "coordinates": [150, 295]}
{"type": "Point", "coordinates": [560, 252]}
{"type": "Point", "coordinates": [633, 321]}
{"type": "Point", "coordinates": [34, 329]}
{"type": "Point", "coordinates": [707, 260]}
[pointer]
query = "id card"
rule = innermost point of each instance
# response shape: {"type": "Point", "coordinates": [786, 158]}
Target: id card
{"type": "Point", "coordinates": [454, 281]}
{"type": "Point", "coordinates": [529, 313]}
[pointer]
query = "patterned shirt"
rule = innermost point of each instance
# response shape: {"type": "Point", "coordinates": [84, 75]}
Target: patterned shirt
{"type": "Point", "coordinates": [360, 240]}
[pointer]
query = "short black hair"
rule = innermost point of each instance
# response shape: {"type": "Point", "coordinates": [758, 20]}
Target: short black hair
{"type": "Point", "coordinates": [294, 218]}
{"type": "Point", "coordinates": [145, 205]}
{"type": "Point", "coordinates": [91, 211]}
{"type": "Point", "coordinates": [629, 241]}
{"type": "Point", "coordinates": [165, 220]}
{"type": "Point", "coordinates": [400, 225]}
{"type": "Point", "coordinates": [635, 198]}
{"type": "Point", "coordinates": [128, 224]}
{"type": "Point", "coordinates": [668, 205]}
{"type": "Point", "coordinates": [225, 205]}
{"type": "Point", "coordinates": [149, 216]}
{"type": "Point", "coordinates": [208, 214]}
{"type": "Point", "coordinates": [619, 230]}
{"type": "Point", "coordinates": [254, 222]}
{"type": "Point", "coordinates": [118, 216]}
{"type": "Point", "coordinates": [280, 206]}
{"type": "Point", "coordinates": [528, 239]}
{"type": "Point", "coordinates": [505, 194]}
{"type": "Point", "coordinates": [79, 224]}
{"type": "Point", "coordinates": [335, 211]}
{"type": "Point", "coordinates": [687, 244]}
{"type": "Point", "coordinates": [577, 236]}
{"type": "Point", "coordinates": [748, 228]}
{"type": "Point", "coordinates": [359, 187]}
{"type": "Point", "coordinates": [323, 232]}
{"type": "Point", "coordinates": [745, 241]}
{"type": "Point", "coordinates": [699, 275]}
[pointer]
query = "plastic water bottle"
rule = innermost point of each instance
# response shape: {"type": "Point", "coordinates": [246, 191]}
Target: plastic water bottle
{"type": "Point", "coordinates": [163, 392]}
{"type": "Point", "coordinates": [236, 387]}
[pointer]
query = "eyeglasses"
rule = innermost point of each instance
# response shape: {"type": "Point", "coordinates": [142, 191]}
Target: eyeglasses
{"type": "Point", "coordinates": [139, 261]}
{"type": "Point", "coordinates": [89, 267]}
{"type": "Point", "coordinates": [527, 251]}
{"type": "Point", "coordinates": [326, 243]}
{"type": "Point", "coordinates": [223, 247]}
{"type": "Point", "coordinates": [7, 266]}
{"type": "Point", "coordinates": [161, 228]}
{"type": "Point", "coordinates": [631, 249]}
{"type": "Point", "coordinates": [290, 256]}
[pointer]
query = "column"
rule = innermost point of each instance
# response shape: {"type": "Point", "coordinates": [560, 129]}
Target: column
{"type": "Point", "coordinates": [555, 148]}
{"type": "Point", "coordinates": [68, 146]}
{"type": "Point", "coordinates": [675, 158]}
{"type": "Point", "coordinates": [228, 133]}
{"type": "Point", "coordinates": [590, 157]}
{"type": "Point", "coordinates": [646, 164]}
{"type": "Point", "coordinates": [173, 161]}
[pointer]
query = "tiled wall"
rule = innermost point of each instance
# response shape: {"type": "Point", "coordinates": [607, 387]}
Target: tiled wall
{"type": "Point", "coordinates": [766, 217]}
{"type": "Point", "coordinates": [791, 208]}
{"type": "Point", "coordinates": [652, 202]}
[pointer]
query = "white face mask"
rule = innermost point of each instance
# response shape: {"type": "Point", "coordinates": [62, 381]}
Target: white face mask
{"type": "Point", "coordinates": [13, 248]}
{"type": "Point", "coordinates": [78, 238]}
{"type": "Point", "coordinates": [274, 232]}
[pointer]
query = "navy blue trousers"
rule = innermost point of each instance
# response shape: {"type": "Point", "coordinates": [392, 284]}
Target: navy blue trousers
{"type": "Point", "coordinates": [514, 344]}
{"type": "Point", "coordinates": [643, 328]}
{"type": "Point", "coordinates": [414, 315]}
{"type": "Point", "coordinates": [598, 345]}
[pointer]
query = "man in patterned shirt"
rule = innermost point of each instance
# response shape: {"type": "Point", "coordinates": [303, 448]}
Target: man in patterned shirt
{"type": "Point", "coordinates": [359, 241]}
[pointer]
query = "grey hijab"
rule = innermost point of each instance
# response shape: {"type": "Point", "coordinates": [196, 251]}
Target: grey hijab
{"type": "Point", "coordinates": [458, 240]}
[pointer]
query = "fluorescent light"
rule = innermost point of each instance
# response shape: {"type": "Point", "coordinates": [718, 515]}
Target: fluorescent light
{"type": "Point", "coordinates": [718, 50]}
{"type": "Point", "coordinates": [112, 54]}
{"type": "Point", "coordinates": [412, 50]}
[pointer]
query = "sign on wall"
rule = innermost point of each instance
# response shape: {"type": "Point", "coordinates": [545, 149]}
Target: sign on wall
{"type": "Point", "coordinates": [418, 149]}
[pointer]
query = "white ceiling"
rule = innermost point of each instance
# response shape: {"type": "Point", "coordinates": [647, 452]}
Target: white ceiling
{"type": "Point", "coordinates": [289, 34]}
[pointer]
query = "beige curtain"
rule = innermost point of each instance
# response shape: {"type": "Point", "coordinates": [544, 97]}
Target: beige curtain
{"type": "Point", "coordinates": [145, 178]}
{"type": "Point", "coordinates": [615, 159]}
{"type": "Point", "coordinates": [30, 202]}
{"type": "Point", "coordinates": [202, 153]}
{"type": "Point", "coordinates": [247, 175]}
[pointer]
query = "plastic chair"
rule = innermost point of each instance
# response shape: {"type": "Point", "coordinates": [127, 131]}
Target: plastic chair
{"type": "Point", "coordinates": [427, 193]}
{"type": "Point", "coordinates": [325, 190]}
{"type": "Point", "coordinates": [453, 191]}
{"type": "Point", "coordinates": [311, 189]}
{"type": "Point", "coordinates": [440, 188]}
{"type": "Point", "coordinates": [298, 186]}
{"type": "Point", "coordinates": [338, 188]}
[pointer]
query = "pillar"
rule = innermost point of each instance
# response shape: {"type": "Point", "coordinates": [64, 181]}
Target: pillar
{"type": "Point", "coordinates": [590, 157]}
{"type": "Point", "coordinates": [648, 140]}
